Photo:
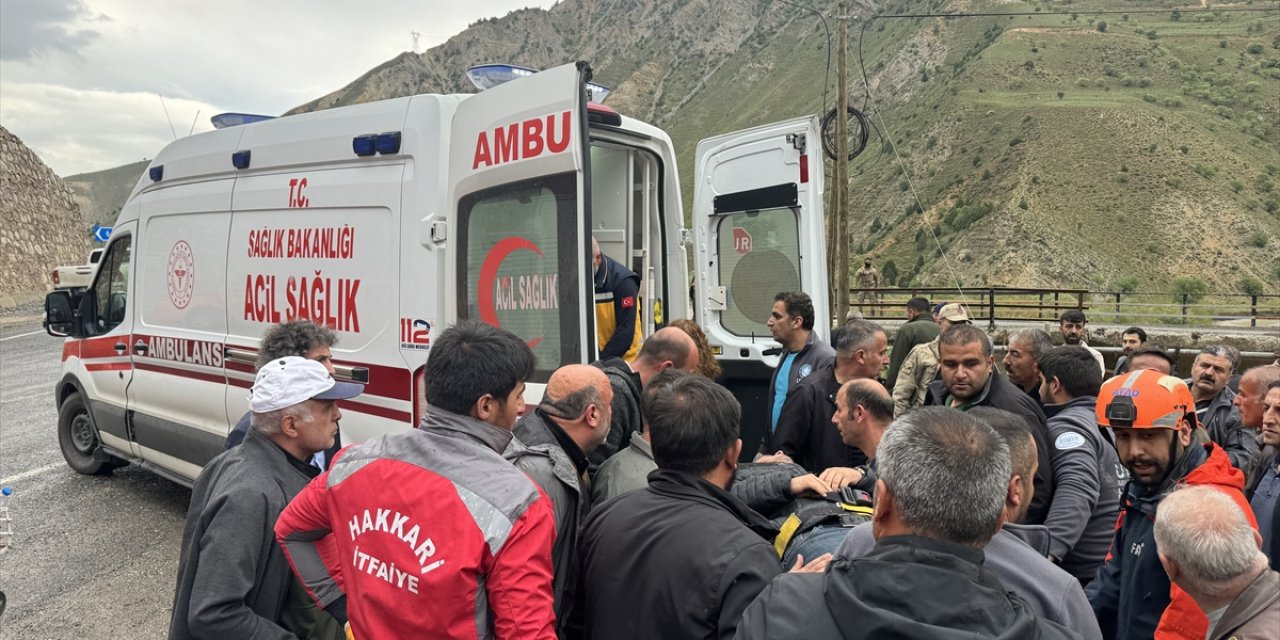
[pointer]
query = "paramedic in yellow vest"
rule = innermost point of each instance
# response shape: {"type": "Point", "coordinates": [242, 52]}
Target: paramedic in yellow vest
{"type": "Point", "coordinates": [617, 290]}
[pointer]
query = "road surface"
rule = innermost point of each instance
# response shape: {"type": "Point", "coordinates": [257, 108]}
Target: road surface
{"type": "Point", "coordinates": [92, 557]}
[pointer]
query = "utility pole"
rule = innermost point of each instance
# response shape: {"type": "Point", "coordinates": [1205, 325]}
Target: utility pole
{"type": "Point", "coordinates": [840, 198]}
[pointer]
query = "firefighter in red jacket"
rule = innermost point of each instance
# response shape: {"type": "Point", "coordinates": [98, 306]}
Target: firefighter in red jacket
{"type": "Point", "coordinates": [435, 534]}
{"type": "Point", "coordinates": [1153, 417]}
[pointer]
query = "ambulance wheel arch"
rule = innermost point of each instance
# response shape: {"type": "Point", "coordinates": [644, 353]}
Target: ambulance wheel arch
{"type": "Point", "coordinates": [78, 438]}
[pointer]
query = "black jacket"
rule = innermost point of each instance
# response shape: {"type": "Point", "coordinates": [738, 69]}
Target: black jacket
{"type": "Point", "coordinates": [625, 408]}
{"type": "Point", "coordinates": [805, 431]}
{"type": "Point", "coordinates": [680, 558]}
{"type": "Point", "coordinates": [814, 355]}
{"type": "Point", "coordinates": [1226, 428]}
{"type": "Point", "coordinates": [233, 579]}
{"type": "Point", "coordinates": [908, 588]}
{"type": "Point", "coordinates": [1002, 394]}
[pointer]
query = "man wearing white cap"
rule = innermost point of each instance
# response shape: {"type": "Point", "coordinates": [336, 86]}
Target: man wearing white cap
{"type": "Point", "coordinates": [233, 579]}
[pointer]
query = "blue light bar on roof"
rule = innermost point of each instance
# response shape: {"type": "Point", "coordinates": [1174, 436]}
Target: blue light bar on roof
{"type": "Point", "coordinates": [488, 76]}
{"type": "Point", "coordinates": [224, 120]}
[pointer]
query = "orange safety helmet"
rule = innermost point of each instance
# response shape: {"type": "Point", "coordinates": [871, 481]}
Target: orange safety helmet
{"type": "Point", "coordinates": [1146, 399]}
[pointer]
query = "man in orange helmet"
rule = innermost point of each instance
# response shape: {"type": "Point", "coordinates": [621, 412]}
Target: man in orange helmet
{"type": "Point", "coordinates": [1153, 416]}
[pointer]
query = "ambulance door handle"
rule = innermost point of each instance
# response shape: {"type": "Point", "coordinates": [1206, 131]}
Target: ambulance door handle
{"type": "Point", "coordinates": [120, 348]}
{"type": "Point", "coordinates": [140, 348]}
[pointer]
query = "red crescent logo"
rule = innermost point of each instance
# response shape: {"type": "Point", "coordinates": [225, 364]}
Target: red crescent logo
{"type": "Point", "coordinates": [489, 276]}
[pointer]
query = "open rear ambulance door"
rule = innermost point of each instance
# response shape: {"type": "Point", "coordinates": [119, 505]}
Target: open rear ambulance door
{"type": "Point", "coordinates": [520, 257]}
{"type": "Point", "coordinates": [758, 229]}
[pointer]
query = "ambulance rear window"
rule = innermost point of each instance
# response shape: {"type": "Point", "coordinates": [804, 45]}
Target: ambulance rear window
{"type": "Point", "coordinates": [515, 270]}
{"type": "Point", "coordinates": [759, 257]}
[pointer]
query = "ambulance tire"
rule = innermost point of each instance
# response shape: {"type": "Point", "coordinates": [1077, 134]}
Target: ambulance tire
{"type": "Point", "coordinates": [78, 439]}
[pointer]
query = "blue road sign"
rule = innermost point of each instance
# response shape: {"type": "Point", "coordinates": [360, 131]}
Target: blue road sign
{"type": "Point", "coordinates": [100, 233]}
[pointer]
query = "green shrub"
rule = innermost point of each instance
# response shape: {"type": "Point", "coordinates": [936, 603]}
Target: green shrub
{"type": "Point", "coordinates": [1236, 186]}
{"type": "Point", "coordinates": [1126, 284]}
{"type": "Point", "coordinates": [1190, 286]}
{"type": "Point", "coordinates": [1022, 203]}
{"type": "Point", "coordinates": [1251, 285]}
{"type": "Point", "coordinates": [889, 272]}
{"type": "Point", "coordinates": [1258, 239]}
{"type": "Point", "coordinates": [1254, 48]}
{"type": "Point", "coordinates": [1206, 170]}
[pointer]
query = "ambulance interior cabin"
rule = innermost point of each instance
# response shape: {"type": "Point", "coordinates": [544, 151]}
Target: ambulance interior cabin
{"type": "Point", "coordinates": [626, 219]}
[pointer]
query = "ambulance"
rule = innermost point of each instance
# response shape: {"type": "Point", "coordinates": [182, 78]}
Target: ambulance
{"type": "Point", "coordinates": [388, 222]}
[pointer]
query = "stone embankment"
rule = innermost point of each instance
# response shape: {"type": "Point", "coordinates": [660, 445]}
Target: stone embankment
{"type": "Point", "coordinates": [40, 224]}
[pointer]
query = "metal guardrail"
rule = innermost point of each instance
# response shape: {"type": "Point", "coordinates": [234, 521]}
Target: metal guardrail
{"type": "Point", "coordinates": [993, 304]}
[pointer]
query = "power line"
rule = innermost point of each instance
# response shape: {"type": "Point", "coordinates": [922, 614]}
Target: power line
{"type": "Point", "coordinates": [826, 81]}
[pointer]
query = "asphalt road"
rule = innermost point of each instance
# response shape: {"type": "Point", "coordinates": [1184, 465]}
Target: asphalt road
{"type": "Point", "coordinates": [91, 557]}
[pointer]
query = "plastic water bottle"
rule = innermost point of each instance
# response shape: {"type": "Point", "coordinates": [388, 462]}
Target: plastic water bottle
{"type": "Point", "coordinates": [6, 524]}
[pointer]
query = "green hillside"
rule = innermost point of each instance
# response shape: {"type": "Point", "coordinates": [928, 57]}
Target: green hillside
{"type": "Point", "coordinates": [1057, 150]}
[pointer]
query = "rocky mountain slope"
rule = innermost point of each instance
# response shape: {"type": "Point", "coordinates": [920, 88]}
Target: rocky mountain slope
{"type": "Point", "coordinates": [101, 194]}
{"type": "Point", "coordinates": [1057, 144]}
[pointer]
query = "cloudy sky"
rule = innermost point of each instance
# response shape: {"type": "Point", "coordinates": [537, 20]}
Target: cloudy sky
{"type": "Point", "coordinates": [80, 80]}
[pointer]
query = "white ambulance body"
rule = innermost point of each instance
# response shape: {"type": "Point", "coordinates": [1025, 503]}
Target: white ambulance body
{"type": "Point", "coordinates": [387, 222]}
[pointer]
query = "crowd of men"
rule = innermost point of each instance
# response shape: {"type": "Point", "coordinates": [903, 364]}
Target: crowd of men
{"type": "Point", "coordinates": [911, 490]}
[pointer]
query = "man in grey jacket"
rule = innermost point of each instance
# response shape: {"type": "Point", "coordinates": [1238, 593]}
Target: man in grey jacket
{"type": "Point", "coordinates": [1017, 553]}
{"type": "Point", "coordinates": [1087, 474]}
{"type": "Point", "coordinates": [1215, 405]}
{"type": "Point", "coordinates": [1210, 550]}
{"type": "Point", "coordinates": [233, 579]}
{"type": "Point", "coordinates": [942, 491]}
{"type": "Point", "coordinates": [551, 445]}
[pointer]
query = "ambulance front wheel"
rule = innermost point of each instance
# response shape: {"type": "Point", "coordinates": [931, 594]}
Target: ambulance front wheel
{"type": "Point", "coordinates": [78, 439]}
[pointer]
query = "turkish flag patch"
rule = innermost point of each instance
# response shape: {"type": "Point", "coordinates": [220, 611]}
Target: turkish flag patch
{"type": "Point", "coordinates": [628, 302]}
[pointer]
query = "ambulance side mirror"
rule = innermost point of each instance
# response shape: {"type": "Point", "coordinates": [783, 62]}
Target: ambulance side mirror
{"type": "Point", "coordinates": [59, 320]}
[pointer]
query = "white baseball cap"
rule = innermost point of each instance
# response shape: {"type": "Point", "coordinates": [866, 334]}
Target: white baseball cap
{"type": "Point", "coordinates": [287, 381]}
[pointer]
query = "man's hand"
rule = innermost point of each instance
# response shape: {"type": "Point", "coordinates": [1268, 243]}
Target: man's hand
{"type": "Point", "coordinates": [840, 477]}
{"type": "Point", "coordinates": [775, 458]}
{"type": "Point", "coordinates": [809, 482]}
{"type": "Point", "coordinates": [817, 566]}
